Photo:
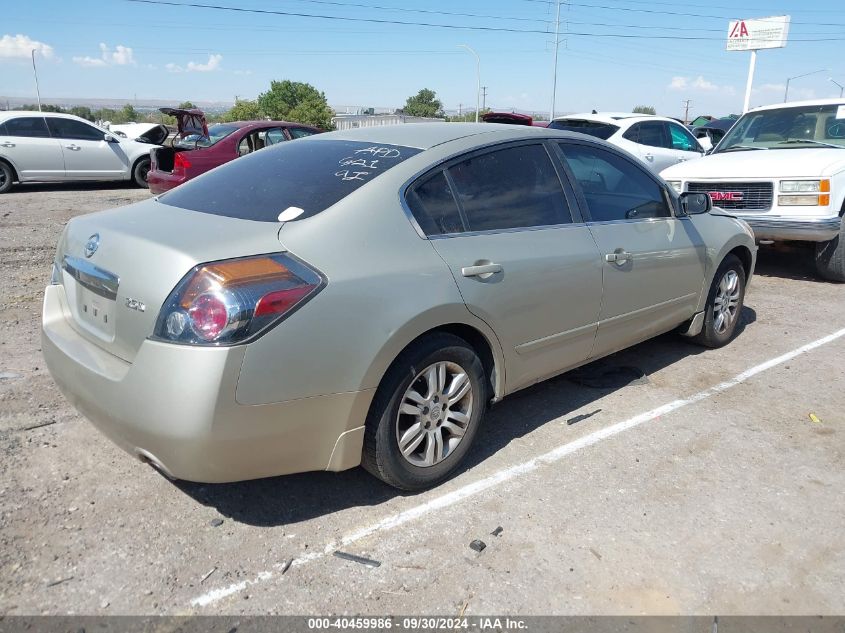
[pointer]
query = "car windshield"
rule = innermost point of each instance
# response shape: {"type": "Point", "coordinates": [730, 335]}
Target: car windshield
{"type": "Point", "coordinates": [216, 133]}
{"type": "Point", "coordinates": [787, 128]}
{"type": "Point", "coordinates": [291, 180]}
{"type": "Point", "coordinates": [594, 128]}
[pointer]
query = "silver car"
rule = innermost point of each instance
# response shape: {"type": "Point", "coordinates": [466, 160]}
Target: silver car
{"type": "Point", "coordinates": [50, 146]}
{"type": "Point", "coordinates": [360, 297]}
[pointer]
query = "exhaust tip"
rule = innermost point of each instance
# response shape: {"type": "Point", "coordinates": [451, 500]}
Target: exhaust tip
{"type": "Point", "coordinates": [152, 460]}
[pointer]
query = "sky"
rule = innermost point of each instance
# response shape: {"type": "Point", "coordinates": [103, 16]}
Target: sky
{"type": "Point", "coordinates": [613, 54]}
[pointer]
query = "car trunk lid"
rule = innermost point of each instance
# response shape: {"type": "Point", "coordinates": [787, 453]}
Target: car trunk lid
{"type": "Point", "coordinates": [119, 266]}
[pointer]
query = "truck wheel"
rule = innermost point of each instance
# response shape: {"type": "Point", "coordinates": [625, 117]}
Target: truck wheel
{"type": "Point", "coordinates": [425, 414]}
{"type": "Point", "coordinates": [7, 176]}
{"type": "Point", "coordinates": [830, 256]}
{"type": "Point", "coordinates": [140, 171]}
{"type": "Point", "coordinates": [724, 304]}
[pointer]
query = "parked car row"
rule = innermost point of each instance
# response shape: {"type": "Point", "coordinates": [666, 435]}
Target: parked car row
{"type": "Point", "coordinates": [54, 147]}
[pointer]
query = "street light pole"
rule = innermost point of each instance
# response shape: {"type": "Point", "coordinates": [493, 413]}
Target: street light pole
{"type": "Point", "coordinates": [554, 72]}
{"type": "Point", "coordinates": [35, 72]}
{"type": "Point", "coordinates": [788, 79]}
{"type": "Point", "coordinates": [841, 87]}
{"type": "Point", "coordinates": [478, 78]}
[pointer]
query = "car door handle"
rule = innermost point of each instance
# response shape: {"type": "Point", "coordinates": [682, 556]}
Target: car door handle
{"type": "Point", "coordinates": [73, 146]}
{"type": "Point", "coordinates": [482, 270]}
{"type": "Point", "coordinates": [620, 258]}
{"type": "Point", "coordinates": [7, 144]}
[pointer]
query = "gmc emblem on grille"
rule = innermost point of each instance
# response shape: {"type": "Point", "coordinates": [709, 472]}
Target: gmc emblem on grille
{"type": "Point", "coordinates": [725, 196]}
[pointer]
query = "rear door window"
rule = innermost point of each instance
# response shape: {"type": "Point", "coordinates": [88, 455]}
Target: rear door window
{"type": "Point", "coordinates": [516, 187]}
{"type": "Point", "coordinates": [311, 175]}
{"type": "Point", "coordinates": [31, 126]}
{"type": "Point", "coordinates": [615, 188]}
{"type": "Point", "coordinates": [651, 133]}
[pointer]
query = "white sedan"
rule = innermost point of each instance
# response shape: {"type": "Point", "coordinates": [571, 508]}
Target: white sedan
{"type": "Point", "coordinates": [658, 142]}
{"type": "Point", "coordinates": [47, 146]}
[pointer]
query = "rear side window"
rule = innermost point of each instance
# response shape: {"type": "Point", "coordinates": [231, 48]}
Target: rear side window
{"type": "Point", "coordinates": [434, 206]}
{"type": "Point", "coordinates": [31, 126]}
{"type": "Point", "coordinates": [68, 128]}
{"type": "Point", "coordinates": [509, 188]}
{"type": "Point", "coordinates": [615, 187]}
{"type": "Point", "coordinates": [311, 175]}
{"type": "Point", "coordinates": [594, 128]}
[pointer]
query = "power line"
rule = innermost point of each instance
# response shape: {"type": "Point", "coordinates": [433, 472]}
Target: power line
{"type": "Point", "coordinates": [196, 5]}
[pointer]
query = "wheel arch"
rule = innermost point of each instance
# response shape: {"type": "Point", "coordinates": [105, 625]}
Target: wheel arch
{"type": "Point", "coordinates": [6, 161]}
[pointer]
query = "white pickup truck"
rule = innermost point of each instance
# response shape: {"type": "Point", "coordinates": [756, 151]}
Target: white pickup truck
{"type": "Point", "coordinates": [781, 168]}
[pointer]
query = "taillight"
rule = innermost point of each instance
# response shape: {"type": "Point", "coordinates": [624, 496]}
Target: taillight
{"type": "Point", "coordinates": [181, 162]}
{"type": "Point", "coordinates": [235, 300]}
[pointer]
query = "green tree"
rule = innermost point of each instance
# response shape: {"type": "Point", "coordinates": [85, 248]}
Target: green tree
{"type": "Point", "coordinates": [424, 103]}
{"type": "Point", "coordinates": [243, 110]}
{"type": "Point", "coordinates": [642, 109]}
{"type": "Point", "coordinates": [45, 107]}
{"type": "Point", "coordinates": [128, 114]}
{"type": "Point", "coordinates": [82, 112]}
{"type": "Point", "coordinates": [186, 105]}
{"type": "Point", "coordinates": [106, 114]}
{"type": "Point", "coordinates": [296, 101]}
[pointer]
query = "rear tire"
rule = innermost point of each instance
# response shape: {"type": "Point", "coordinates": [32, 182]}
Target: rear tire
{"type": "Point", "coordinates": [7, 177]}
{"type": "Point", "coordinates": [724, 304]}
{"type": "Point", "coordinates": [830, 256]}
{"type": "Point", "coordinates": [140, 171]}
{"type": "Point", "coordinates": [439, 385]}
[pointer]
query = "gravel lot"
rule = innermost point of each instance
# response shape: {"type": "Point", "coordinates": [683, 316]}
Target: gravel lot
{"type": "Point", "coordinates": [728, 500]}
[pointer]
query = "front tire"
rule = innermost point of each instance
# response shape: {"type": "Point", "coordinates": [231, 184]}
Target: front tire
{"type": "Point", "coordinates": [724, 304]}
{"type": "Point", "coordinates": [830, 256]}
{"type": "Point", "coordinates": [7, 177]}
{"type": "Point", "coordinates": [140, 171]}
{"type": "Point", "coordinates": [426, 413]}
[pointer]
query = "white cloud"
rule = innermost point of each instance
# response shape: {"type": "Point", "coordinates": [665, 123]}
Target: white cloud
{"type": "Point", "coordinates": [120, 56]}
{"type": "Point", "coordinates": [243, 72]}
{"type": "Point", "coordinates": [21, 46]}
{"type": "Point", "coordinates": [698, 84]}
{"type": "Point", "coordinates": [678, 83]}
{"type": "Point", "coordinates": [213, 63]}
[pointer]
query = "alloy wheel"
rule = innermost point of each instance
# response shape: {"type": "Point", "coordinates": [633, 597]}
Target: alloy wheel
{"type": "Point", "coordinates": [434, 413]}
{"type": "Point", "coordinates": [726, 302]}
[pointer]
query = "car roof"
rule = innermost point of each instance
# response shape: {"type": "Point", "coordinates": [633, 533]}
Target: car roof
{"type": "Point", "coordinates": [614, 117]}
{"type": "Point", "coordinates": [8, 114]}
{"type": "Point", "coordinates": [428, 135]}
{"type": "Point", "coordinates": [280, 123]}
{"type": "Point", "coordinates": [799, 104]}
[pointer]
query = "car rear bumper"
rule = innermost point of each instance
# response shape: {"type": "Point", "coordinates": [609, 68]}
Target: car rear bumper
{"type": "Point", "coordinates": [783, 228]}
{"type": "Point", "coordinates": [161, 181]}
{"type": "Point", "coordinates": [175, 407]}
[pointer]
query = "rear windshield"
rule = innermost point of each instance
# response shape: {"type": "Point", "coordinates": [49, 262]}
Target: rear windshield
{"type": "Point", "coordinates": [594, 128]}
{"type": "Point", "coordinates": [216, 133]}
{"type": "Point", "coordinates": [306, 175]}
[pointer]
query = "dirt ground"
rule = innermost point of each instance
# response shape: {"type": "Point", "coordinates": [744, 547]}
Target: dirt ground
{"type": "Point", "coordinates": [698, 483]}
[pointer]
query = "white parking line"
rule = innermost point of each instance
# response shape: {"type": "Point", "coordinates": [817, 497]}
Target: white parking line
{"type": "Point", "coordinates": [511, 472]}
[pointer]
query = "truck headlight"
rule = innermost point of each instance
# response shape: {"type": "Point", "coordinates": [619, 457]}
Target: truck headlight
{"type": "Point", "coordinates": [677, 185]}
{"type": "Point", "coordinates": [805, 186]}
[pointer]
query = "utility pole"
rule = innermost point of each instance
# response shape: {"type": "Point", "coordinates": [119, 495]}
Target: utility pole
{"type": "Point", "coordinates": [35, 72]}
{"type": "Point", "coordinates": [686, 103]}
{"type": "Point", "coordinates": [483, 97]}
{"type": "Point", "coordinates": [554, 73]}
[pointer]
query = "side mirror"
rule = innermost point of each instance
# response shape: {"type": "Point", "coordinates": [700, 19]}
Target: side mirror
{"type": "Point", "coordinates": [110, 139]}
{"type": "Point", "coordinates": [695, 203]}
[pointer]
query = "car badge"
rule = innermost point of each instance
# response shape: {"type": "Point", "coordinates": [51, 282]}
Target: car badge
{"type": "Point", "coordinates": [92, 245]}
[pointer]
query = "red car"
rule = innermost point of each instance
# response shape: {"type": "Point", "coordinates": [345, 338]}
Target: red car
{"type": "Point", "coordinates": [197, 148]}
{"type": "Point", "coordinates": [512, 118]}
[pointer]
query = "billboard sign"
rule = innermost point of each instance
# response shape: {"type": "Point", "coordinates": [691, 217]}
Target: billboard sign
{"type": "Point", "coordinates": [755, 35]}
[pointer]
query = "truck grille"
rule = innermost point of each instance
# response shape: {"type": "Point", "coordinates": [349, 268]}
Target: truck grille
{"type": "Point", "coordinates": [747, 196]}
